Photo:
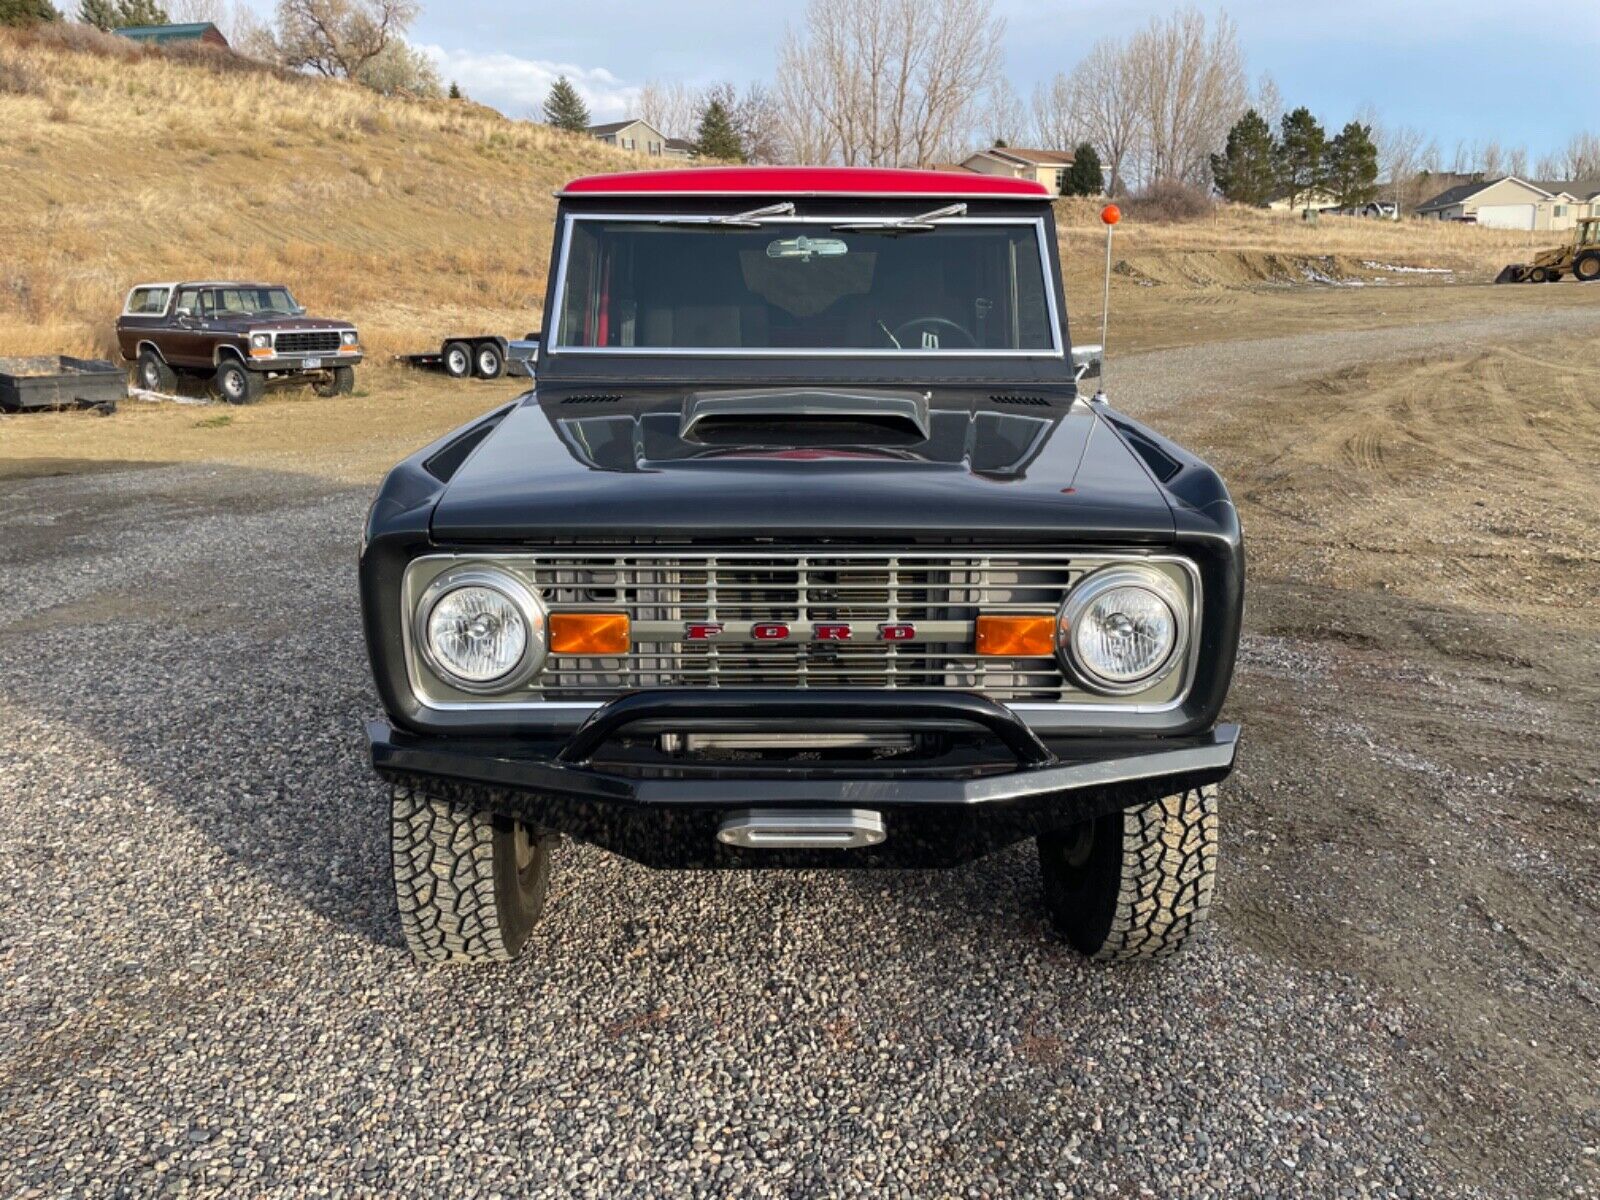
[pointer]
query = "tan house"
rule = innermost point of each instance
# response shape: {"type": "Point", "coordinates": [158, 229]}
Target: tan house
{"type": "Point", "coordinates": [1316, 199]}
{"type": "Point", "coordinates": [1512, 203]}
{"type": "Point", "coordinates": [641, 137]}
{"type": "Point", "coordinates": [1048, 167]}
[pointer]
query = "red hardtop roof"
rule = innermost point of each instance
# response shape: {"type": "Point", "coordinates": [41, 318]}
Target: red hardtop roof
{"type": "Point", "coordinates": [805, 181]}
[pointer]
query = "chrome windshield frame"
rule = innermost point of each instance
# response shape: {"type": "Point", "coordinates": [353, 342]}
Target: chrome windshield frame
{"type": "Point", "coordinates": [555, 347]}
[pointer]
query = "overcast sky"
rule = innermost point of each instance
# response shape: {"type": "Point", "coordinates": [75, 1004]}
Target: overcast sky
{"type": "Point", "coordinates": [1460, 69]}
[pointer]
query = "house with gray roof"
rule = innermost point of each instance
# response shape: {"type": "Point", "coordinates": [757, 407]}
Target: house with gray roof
{"type": "Point", "coordinates": [641, 137]}
{"type": "Point", "coordinates": [1512, 203]}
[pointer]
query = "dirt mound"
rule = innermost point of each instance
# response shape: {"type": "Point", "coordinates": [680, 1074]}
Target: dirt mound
{"type": "Point", "coordinates": [1255, 268]}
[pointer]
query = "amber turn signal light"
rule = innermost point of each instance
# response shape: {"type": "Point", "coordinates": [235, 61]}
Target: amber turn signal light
{"type": "Point", "coordinates": [1017, 637]}
{"type": "Point", "coordinates": [590, 633]}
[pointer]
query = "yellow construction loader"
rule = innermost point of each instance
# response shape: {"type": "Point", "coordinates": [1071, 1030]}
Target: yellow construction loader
{"type": "Point", "coordinates": [1579, 258]}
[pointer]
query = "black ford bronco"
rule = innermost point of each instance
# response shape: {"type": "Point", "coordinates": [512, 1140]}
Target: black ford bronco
{"type": "Point", "coordinates": [807, 550]}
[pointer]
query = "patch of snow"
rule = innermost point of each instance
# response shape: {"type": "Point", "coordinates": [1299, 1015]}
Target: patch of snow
{"type": "Point", "coordinates": [166, 398]}
{"type": "Point", "coordinates": [1377, 266]}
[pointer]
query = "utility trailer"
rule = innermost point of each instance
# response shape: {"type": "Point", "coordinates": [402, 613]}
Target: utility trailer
{"type": "Point", "coordinates": [485, 355]}
{"type": "Point", "coordinates": [61, 381]}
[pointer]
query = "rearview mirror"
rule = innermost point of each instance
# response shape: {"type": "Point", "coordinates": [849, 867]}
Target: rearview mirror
{"type": "Point", "coordinates": [805, 248]}
{"type": "Point", "coordinates": [1086, 361]}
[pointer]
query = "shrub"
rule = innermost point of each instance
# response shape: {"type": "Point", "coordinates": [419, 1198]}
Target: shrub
{"type": "Point", "coordinates": [1169, 200]}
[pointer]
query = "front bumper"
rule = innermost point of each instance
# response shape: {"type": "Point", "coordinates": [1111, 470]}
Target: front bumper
{"type": "Point", "coordinates": [667, 814]}
{"type": "Point", "coordinates": [295, 364]}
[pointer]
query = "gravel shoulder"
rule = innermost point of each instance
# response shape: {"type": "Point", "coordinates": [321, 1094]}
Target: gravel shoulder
{"type": "Point", "coordinates": [202, 987]}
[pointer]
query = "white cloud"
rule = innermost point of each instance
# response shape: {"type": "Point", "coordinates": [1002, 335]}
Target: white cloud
{"type": "Point", "coordinates": [518, 86]}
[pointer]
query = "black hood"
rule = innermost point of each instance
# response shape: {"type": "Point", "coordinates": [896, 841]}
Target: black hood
{"type": "Point", "coordinates": [964, 464]}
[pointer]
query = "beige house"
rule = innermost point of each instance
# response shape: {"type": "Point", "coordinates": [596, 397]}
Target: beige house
{"type": "Point", "coordinates": [1300, 201]}
{"type": "Point", "coordinates": [1512, 203]}
{"type": "Point", "coordinates": [641, 137]}
{"type": "Point", "coordinates": [1048, 167]}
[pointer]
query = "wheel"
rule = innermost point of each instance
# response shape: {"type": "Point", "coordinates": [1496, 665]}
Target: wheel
{"type": "Point", "coordinates": [1135, 883]}
{"type": "Point", "coordinates": [340, 382]}
{"type": "Point", "coordinates": [1553, 276]}
{"type": "Point", "coordinates": [489, 363]}
{"type": "Point", "coordinates": [1538, 275]}
{"type": "Point", "coordinates": [1586, 267]}
{"type": "Point", "coordinates": [458, 360]}
{"type": "Point", "coordinates": [153, 373]}
{"type": "Point", "coordinates": [237, 385]}
{"type": "Point", "coordinates": [470, 886]}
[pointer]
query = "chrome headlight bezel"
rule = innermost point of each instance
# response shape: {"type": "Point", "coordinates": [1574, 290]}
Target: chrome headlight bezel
{"type": "Point", "coordinates": [348, 337]}
{"type": "Point", "coordinates": [260, 341]}
{"type": "Point", "coordinates": [1091, 588]}
{"type": "Point", "coordinates": [521, 598]}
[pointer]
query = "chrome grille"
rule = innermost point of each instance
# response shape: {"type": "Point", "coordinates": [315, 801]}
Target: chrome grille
{"type": "Point", "coordinates": [307, 343]}
{"type": "Point", "coordinates": [941, 592]}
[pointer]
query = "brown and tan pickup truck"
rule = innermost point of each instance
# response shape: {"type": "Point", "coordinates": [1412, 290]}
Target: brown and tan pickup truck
{"type": "Point", "coordinates": [241, 336]}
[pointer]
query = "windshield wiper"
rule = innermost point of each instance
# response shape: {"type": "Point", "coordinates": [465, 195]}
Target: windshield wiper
{"type": "Point", "coordinates": [750, 219]}
{"type": "Point", "coordinates": [908, 224]}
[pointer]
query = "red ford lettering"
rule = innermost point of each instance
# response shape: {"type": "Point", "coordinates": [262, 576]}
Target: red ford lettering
{"type": "Point", "coordinates": [702, 631]}
{"type": "Point", "coordinates": [897, 631]}
{"type": "Point", "coordinates": [770, 631]}
{"type": "Point", "coordinates": [831, 631]}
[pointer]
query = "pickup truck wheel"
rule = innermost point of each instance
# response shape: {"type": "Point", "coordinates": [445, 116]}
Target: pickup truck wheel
{"type": "Point", "coordinates": [489, 363]}
{"type": "Point", "coordinates": [1135, 883]}
{"type": "Point", "coordinates": [237, 385]}
{"type": "Point", "coordinates": [153, 373]}
{"type": "Point", "coordinates": [457, 360]}
{"type": "Point", "coordinates": [470, 886]}
{"type": "Point", "coordinates": [341, 381]}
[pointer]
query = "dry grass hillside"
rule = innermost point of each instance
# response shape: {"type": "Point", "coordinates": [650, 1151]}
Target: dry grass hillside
{"type": "Point", "coordinates": [122, 164]}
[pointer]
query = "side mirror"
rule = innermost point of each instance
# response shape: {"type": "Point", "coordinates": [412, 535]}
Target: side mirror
{"type": "Point", "coordinates": [1086, 361]}
{"type": "Point", "coordinates": [299, 310]}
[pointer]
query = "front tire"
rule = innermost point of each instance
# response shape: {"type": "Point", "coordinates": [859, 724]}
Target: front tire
{"type": "Point", "coordinates": [236, 384]}
{"type": "Point", "coordinates": [1136, 883]}
{"type": "Point", "coordinates": [470, 886]}
{"type": "Point", "coordinates": [341, 381]}
{"type": "Point", "coordinates": [1586, 267]}
{"type": "Point", "coordinates": [1538, 275]}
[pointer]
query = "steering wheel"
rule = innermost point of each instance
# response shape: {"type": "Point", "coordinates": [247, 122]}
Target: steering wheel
{"type": "Point", "coordinates": [905, 334]}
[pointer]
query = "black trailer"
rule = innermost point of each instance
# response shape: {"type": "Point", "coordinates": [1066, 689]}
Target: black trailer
{"type": "Point", "coordinates": [485, 355]}
{"type": "Point", "coordinates": [61, 381]}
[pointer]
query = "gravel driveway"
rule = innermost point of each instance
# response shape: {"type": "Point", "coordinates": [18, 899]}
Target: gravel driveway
{"type": "Point", "coordinates": [202, 986]}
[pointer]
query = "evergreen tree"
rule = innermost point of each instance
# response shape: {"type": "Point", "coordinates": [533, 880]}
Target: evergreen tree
{"type": "Point", "coordinates": [1353, 166]}
{"type": "Point", "coordinates": [1302, 151]}
{"type": "Point", "coordinates": [1085, 177]}
{"type": "Point", "coordinates": [27, 12]}
{"type": "Point", "coordinates": [455, 90]}
{"type": "Point", "coordinates": [717, 138]}
{"type": "Point", "coordinates": [1246, 172]}
{"type": "Point", "coordinates": [119, 14]}
{"type": "Point", "coordinates": [565, 109]}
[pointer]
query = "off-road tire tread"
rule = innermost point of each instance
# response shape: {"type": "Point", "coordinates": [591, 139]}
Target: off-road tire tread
{"type": "Point", "coordinates": [445, 881]}
{"type": "Point", "coordinates": [1169, 870]}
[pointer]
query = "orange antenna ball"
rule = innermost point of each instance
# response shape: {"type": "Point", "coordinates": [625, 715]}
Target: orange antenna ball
{"type": "Point", "coordinates": [1111, 214]}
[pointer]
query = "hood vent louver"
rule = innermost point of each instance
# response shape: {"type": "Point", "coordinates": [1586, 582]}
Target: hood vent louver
{"type": "Point", "coordinates": [805, 417]}
{"type": "Point", "coordinates": [593, 398]}
{"type": "Point", "coordinates": [1017, 398]}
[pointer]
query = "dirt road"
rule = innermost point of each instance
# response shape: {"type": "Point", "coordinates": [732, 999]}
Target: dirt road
{"type": "Point", "coordinates": [201, 979]}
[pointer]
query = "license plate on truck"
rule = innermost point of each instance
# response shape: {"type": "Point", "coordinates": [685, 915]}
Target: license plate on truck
{"type": "Point", "coordinates": [312, 364]}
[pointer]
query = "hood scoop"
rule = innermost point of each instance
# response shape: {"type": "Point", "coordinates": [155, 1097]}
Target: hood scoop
{"type": "Point", "coordinates": [805, 417]}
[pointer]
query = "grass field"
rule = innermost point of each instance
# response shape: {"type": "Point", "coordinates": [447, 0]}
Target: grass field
{"type": "Point", "coordinates": [415, 217]}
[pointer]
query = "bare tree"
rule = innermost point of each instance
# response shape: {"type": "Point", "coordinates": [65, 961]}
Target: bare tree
{"type": "Point", "coordinates": [1104, 91]}
{"type": "Point", "coordinates": [755, 115]}
{"type": "Point", "coordinates": [246, 32]}
{"type": "Point", "coordinates": [1517, 162]}
{"type": "Point", "coordinates": [1400, 155]}
{"type": "Point", "coordinates": [1055, 114]}
{"type": "Point", "coordinates": [1547, 167]}
{"type": "Point", "coordinates": [1003, 120]}
{"type": "Point", "coordinates": [339, 37]}
{"type": "Point", "coordinates": [671, 106]}
{"type": "Point", "coordinates": [1492, 159]}
{"type": "Point", "coordinates": [1432, 158]}
{"type": "Point", "coordinates": [890, 81]}
{"type": "Point", "coordinates": [1582, 156]}
{"type": "Point", "coordinates": [1192, 89]}
{"type": "Point", "coordinates": [1465, 155]}
{"type": "Point", "coordinates": [1268, 101]}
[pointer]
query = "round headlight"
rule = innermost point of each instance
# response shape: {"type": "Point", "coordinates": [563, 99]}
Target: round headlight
{"type": "Point", "coordinates": [260, 340]}
{"type": "Point", "coordinates": [481, 630]}
{"type": "Point", "coordinates": [1123, 629]}
{"type": "Point", "coordinates": [348, 337]}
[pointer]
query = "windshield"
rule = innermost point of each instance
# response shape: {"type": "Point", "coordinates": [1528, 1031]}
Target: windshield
{"type": "Point", "coordinates": [805, 287]}
{"type": "Point", "coordinates": [248, 302]}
